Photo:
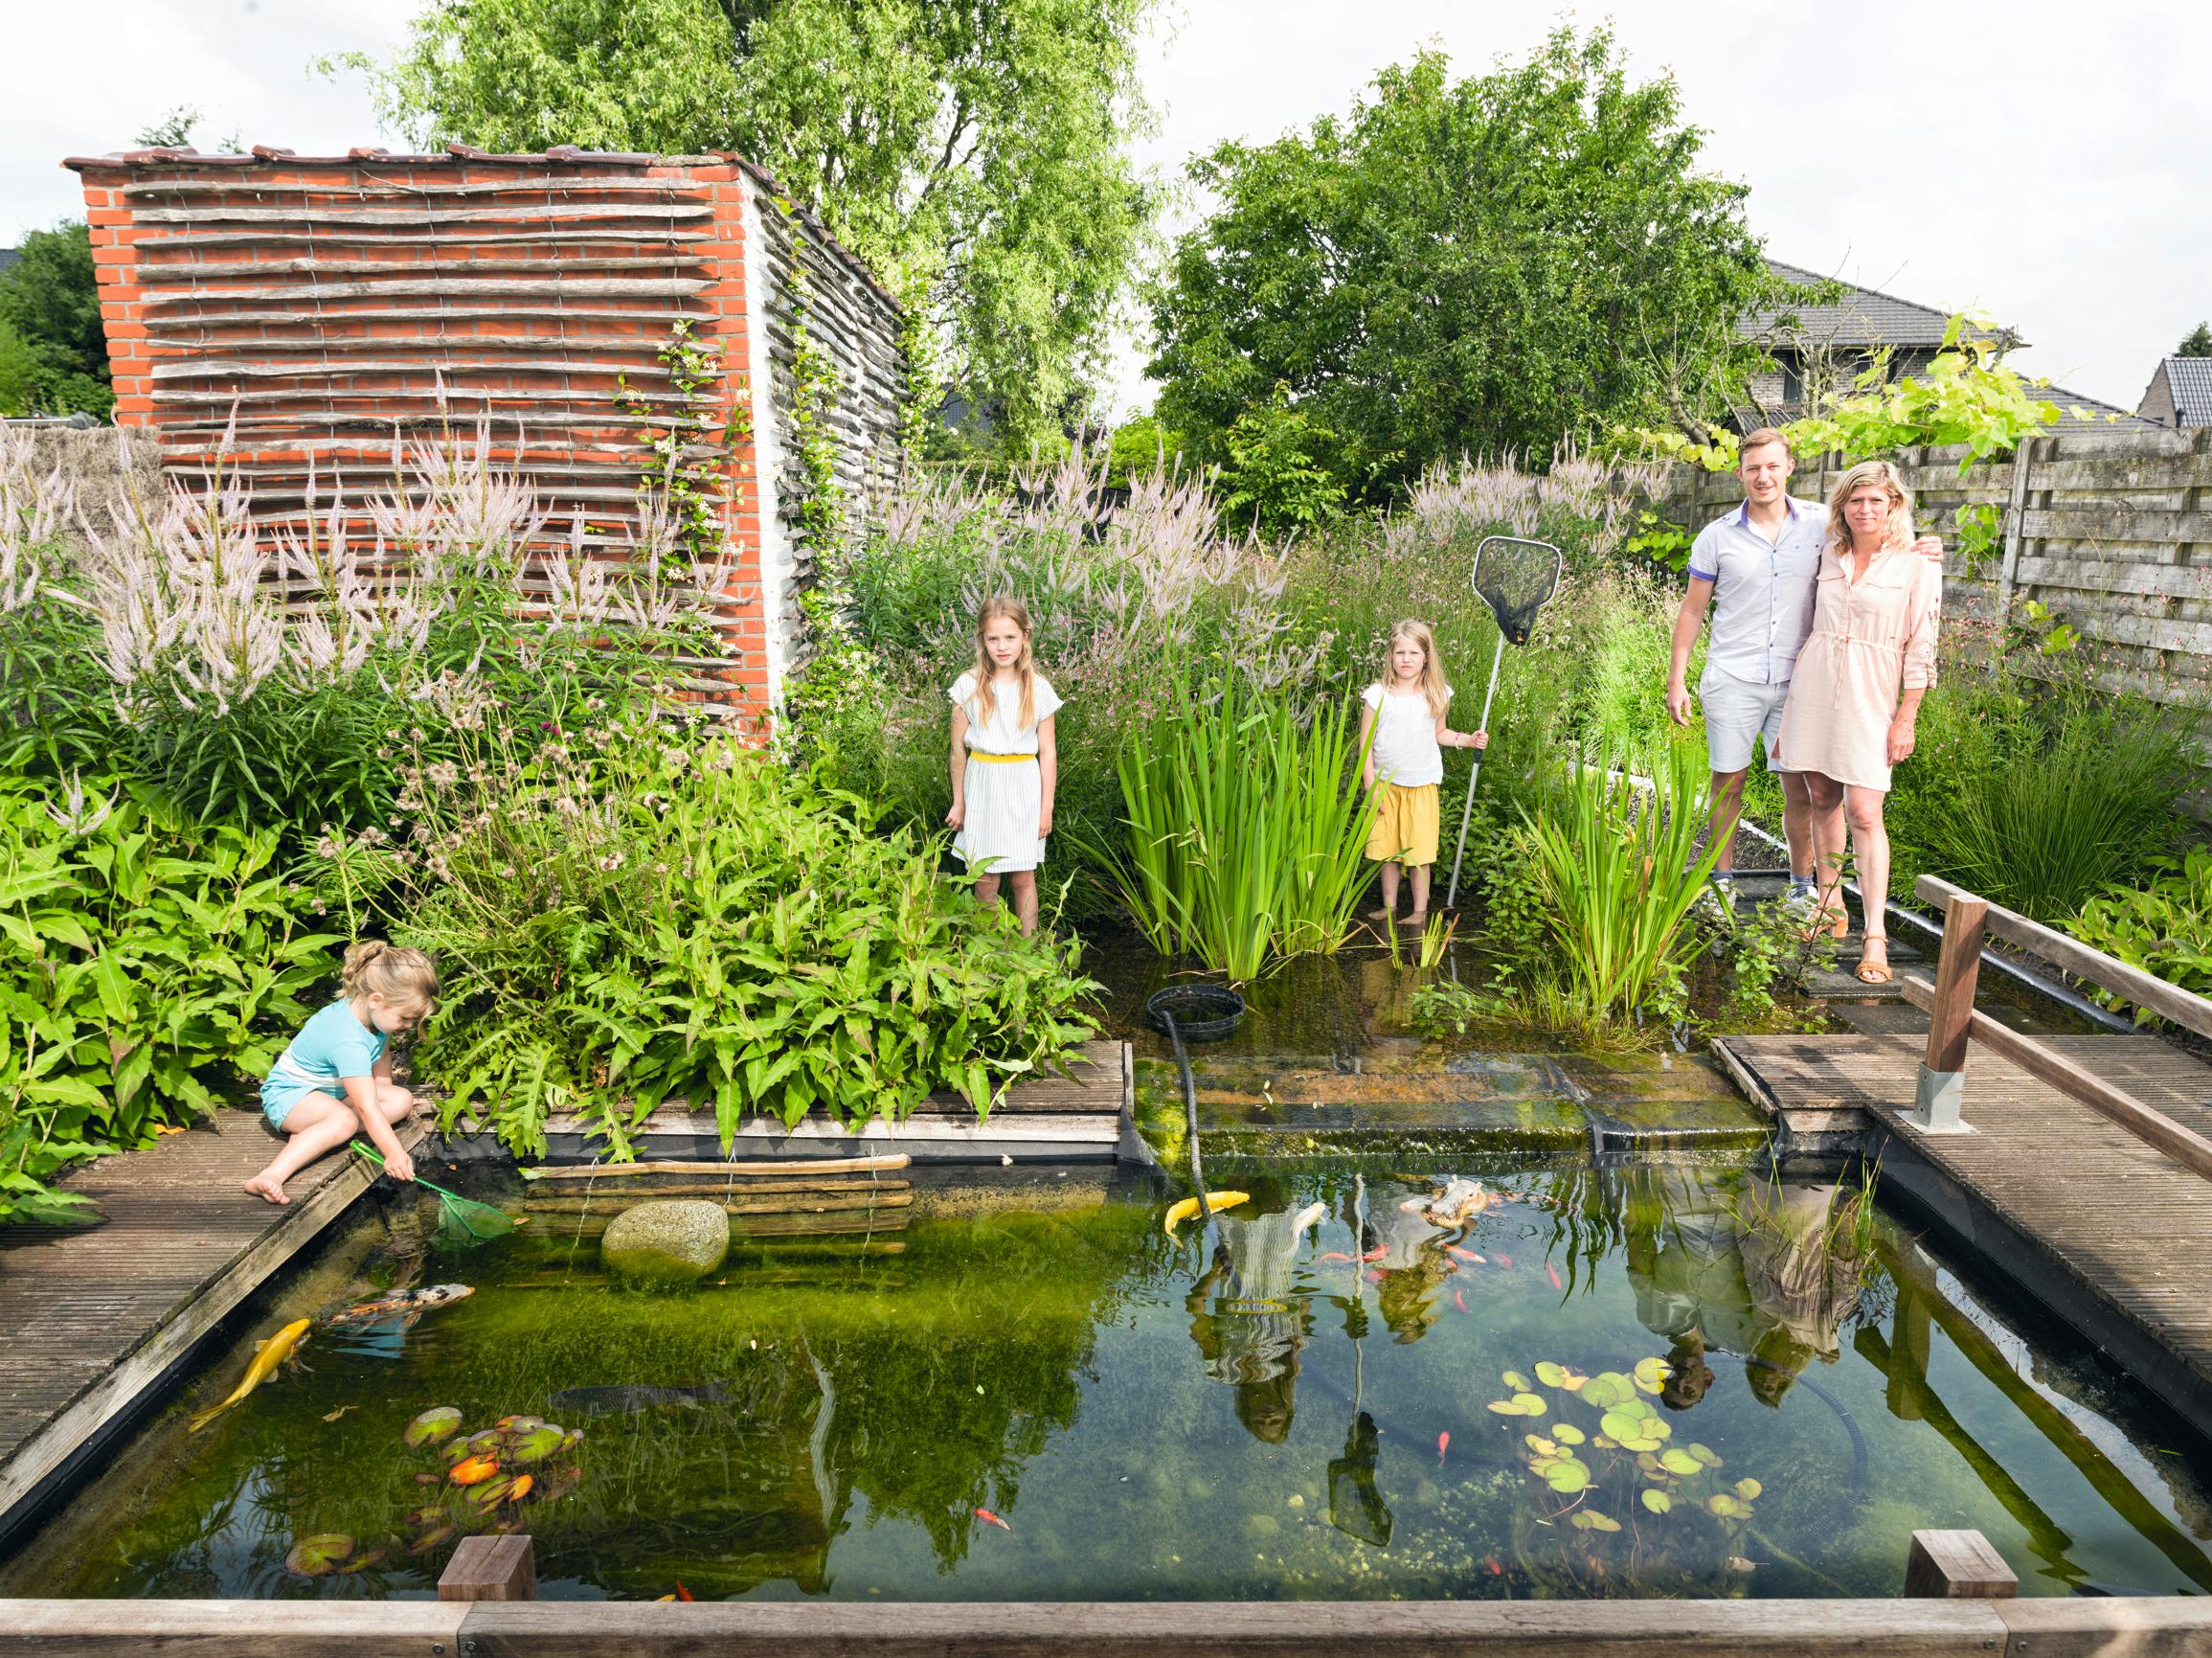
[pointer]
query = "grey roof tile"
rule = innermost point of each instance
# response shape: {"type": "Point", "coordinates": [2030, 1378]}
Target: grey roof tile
{"type": "Point", "coordinates": [2095, 408]}
{"type": "Point", "coordinates": [1863, 318]}
{"type": "Point", "coordinates": [2189, 381]}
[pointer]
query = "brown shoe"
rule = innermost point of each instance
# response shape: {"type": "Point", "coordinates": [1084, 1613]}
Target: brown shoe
{"type": "Point", "coordinates": [1874, 960]}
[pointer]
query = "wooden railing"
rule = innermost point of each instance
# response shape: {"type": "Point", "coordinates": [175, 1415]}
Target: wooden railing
{"type": "Point", "coordinates": [1953, 1021]}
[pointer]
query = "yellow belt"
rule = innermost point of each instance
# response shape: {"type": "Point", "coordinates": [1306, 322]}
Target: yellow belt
{"type": "Point", "coordinates": [999, 759]}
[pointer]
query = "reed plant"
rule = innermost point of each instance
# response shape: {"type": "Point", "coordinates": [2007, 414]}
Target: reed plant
{"type": "Point", "coordinates": [1244, 829]}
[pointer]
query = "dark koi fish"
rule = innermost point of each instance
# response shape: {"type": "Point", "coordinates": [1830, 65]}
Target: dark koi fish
{"type": "Point", "coordinates": [406, 1304]}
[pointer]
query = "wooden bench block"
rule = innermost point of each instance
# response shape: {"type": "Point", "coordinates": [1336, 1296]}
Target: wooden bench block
{"type": "Point", "coordinates": [492, 1569]}
{"type": "Point", "coordinates": [1957, 1566]}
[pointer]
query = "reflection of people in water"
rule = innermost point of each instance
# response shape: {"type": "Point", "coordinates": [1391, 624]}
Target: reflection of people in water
{"type": "Point", "coordinates": [1803, 1277]}
{"type": "Point", "coordinates": [1251, 1333]}
{"type": "Point", "coordinates": [1411, 1268]}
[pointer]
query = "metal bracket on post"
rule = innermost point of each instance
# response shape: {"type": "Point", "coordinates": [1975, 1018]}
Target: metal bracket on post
{"type": "Point", "coordinates": [1935, 1102]}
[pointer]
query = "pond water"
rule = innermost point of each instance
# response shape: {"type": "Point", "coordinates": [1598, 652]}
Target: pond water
{"type": "Point", "coordinates": [1027, 1390]}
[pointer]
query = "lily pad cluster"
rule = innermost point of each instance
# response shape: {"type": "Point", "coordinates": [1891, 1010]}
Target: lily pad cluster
{"type": "Point", "coordinates": [1631, 1446]}
{"type": "Point", "coordinates": [488, 1475]}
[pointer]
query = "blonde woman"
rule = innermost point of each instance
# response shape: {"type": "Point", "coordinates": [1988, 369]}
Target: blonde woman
{"type": "Point", "coordinates": [1405, 710]}
{"type": "Point", "coordinates": [1004, 762]}
{"type": "Point", "coordinates": [1856, 695]}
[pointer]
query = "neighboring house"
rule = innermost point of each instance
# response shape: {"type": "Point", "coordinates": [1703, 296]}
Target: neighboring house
{"type": "Point", "coordinates": [2179, 394]}
{"type": "Point", "coordinates": [1819, 349]}
{"type": "Point", "coordinates": [7, 257]}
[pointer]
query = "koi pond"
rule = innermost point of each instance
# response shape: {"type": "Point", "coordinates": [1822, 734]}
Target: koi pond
{"type": "Point", "coordinates": [1511, 1375]}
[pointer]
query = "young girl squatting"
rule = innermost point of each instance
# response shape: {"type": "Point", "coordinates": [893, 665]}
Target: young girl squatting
{"type": "Point", "coordinates": [1003, 761]}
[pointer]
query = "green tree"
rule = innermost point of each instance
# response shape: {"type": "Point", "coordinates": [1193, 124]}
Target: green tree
{"type": "Point", "coordinates": [53, 349]}
{"type": "Point", "coordinates": [2196, 343]}
{"type": "Point", "coordinates": [973, 152]}
{"type": "Point", "coordinates": [1493, 263]}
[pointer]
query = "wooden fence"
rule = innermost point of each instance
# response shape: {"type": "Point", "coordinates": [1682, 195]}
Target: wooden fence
{"type": "Point", "coordinates": [2112, 531]}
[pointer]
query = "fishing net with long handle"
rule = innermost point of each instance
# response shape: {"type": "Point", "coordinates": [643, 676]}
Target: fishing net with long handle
{"type": "Point", "coordinates": [1515, 578]}
{"type": "Point", "coordinates": [460, 1219]}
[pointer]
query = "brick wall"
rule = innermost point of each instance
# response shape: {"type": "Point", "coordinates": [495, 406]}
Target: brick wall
{"type": "Point", "coordinates": [319, 304]}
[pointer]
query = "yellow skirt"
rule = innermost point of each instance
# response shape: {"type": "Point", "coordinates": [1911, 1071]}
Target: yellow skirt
{"type": "Point", "coordinates": [1405, 827]}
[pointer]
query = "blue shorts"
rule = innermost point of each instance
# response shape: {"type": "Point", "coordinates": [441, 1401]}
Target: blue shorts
{"type": "Point", "coordinates": [279, 1097]}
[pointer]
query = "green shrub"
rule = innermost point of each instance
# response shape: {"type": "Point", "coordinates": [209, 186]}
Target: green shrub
{"type": "Point", "coordinates": [625, 918]}
{"type": "Point", "coordinates": [144, 963]}
{"type": "Point", "coordinates": [2163, 926]}
{"type": "Point", "coordinates": [1246, 828]}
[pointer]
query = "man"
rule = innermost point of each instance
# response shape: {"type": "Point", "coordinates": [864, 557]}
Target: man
{"type": "Point", "coordinates": [1756, 567]}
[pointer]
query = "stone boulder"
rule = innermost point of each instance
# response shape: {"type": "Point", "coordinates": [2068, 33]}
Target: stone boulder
{"type": "Point", "coordinates": [667, 1242]}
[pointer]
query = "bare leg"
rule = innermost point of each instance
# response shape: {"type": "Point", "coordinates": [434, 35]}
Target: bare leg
{"type": "Point", "coordinates": [1798, 822]}
{"type": "Point", "coordinates": [1871, 854]}
{"type": "Point", "coordinates": [1728, 806]}
{"type": "Point", "coordinates": [1827, 807]}
{"type": "Point", "coordinates": [986, 891]}
{"type": "Point", "coordinates": [1420, 874]}
{"type": "Point", "coordinates": [316, 1124]}
{"type": "Point", "coordinates": [1024, 885]}
{"type": "Point", "coordinates": [1389, 889]}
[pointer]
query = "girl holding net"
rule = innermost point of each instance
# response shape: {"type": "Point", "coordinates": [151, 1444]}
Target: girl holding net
{"type": "Point", "coordinates": [334, 1081]}
{"type": "Point", "coordinates": [1404, 712]}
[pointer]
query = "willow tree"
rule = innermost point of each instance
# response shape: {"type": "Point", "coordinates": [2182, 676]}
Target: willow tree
{"type": "Point", "coordinates": [975, 153]}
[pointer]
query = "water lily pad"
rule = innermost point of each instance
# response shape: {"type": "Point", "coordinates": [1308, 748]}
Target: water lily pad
{"type": "Point", "coordinates": [534, 1445]}
{"type": "Point", "coordinates": [430, 1540]}
{"type": "Point", "coordinates": [1551, 1376]}
{"type": "Point", "coordinates": [1541, 1445]}
{"type": "Point", "coordinates": [318, 1555]}
{"type": "Point", "coordinates": [1658, 1428]}
{"type": "Point", "coordinates": [1622, 1426]}
{"type": "Point", "coordinates": [491, 1493]}
{"type": "Point", "coordinates": [1726, 1506]}
{"type": "Point", "coordinates": [1650, 1373]}
{"type": "Point", "coordinates": [1591, 1520]}
{"type": "Point", "coordinates": [521, 1487]}
{"type": "Point", "coordinates": [1532, 1404]}
{"type": "Point", "coordinates": [1608, 1389]}
{"type": "Point", "coordinates": [1676, 1460]}
{"type": "Point", "coordinates": [473, 1471]}
{"type": "Point", "coordinates": [1603, 1443]}
{"type": "Point", "coordinates": [1658, 1502]}
{"type": "Point", "coordinates": [1749, 1488]}
{"type": "Point", "coordinates": [1704, 1454]}
{"type": "Point", "coordinates": [1515, 1380]}
{"type": "Point", "coordinates": [1639, 1444]}
{"type": "Point", "coordinates": [1507, 1408]}
{"type": "Point", "coordinates": [1567, 1478]}
{"type": "Point", "coordinates": [362, 1561]}
{"type": "Point", "coordinates": [432, 1425]}
{"type": "Point", "coordinates": [1567, 1433]}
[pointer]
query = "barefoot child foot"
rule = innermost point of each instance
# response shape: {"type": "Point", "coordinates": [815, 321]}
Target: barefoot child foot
{"type": "Point", "coordinates": [334, 1081]}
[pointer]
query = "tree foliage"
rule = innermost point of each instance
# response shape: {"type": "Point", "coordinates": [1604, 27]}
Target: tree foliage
{"type": "Point", "coordinates": [1485, 264]}
{"type": "Point", "coordinates": [2196, 343]}
{"type": "Point", "coordinates": [52, 352]}
{"type": "Point", "coordinates": [971, 151]}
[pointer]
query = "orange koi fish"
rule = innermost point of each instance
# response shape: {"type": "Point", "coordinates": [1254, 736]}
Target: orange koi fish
{"type": "Point", "coordinates": [1459, 1299]}
{"type": "Point", "coordinates": [991, 1520]}
{"type": "Point", "coordinates": [1443, 1444]}
{"type": "Point", "coordinates": [1336, 1255]}
{"type": "Point", "coordinates": [1554, 1272]}
{"type": "Point", "coordinates": [1377, 1253]}
{"type": "Point", "coordinates": [1506, 1262]}
{"type": "Point", "coordinates": [682, 1593]}
{"type": "Point", "coordinates": [1466, 1255]}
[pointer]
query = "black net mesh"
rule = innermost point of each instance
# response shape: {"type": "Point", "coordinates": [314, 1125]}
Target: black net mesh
{"type": "Point", "coordinates": [1516, 578]}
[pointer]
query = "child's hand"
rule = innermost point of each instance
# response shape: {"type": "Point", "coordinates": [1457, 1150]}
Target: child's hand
{"type": "Point", "coordinates": [1479, 739]}
{"type": "Point", "coordinates": [399, 1166]}
{"type": "Point", "coordinates": [958, 816]}
{"type": "Point", "coordinates": [1043, 822]}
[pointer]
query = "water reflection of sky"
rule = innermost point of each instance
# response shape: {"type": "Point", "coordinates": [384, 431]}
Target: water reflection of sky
{"type": "Point", "coordinates": [1296, 1402]}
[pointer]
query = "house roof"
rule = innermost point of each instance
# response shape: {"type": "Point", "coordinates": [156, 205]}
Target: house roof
{"type": "Point", "coordinates": [1863, 318]}
{"type": "Point", "coordinates": [2189, 383]}
{"type": "Point", "coordinates": [2099, 412]}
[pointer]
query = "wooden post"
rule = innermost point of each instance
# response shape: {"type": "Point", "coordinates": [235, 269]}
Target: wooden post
{"type": "Point", "coordinates": [1943, 1067]}
{"type": "Point", "coordinates": [1909, 1351]}
{"type": "Point", "coordinates": [492, 1569]}
{"type": "Point", "coordinates": [1957, 1566]}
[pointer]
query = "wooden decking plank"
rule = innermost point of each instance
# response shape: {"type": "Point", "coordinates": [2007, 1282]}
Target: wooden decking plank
{"type": "Point", "coordinates": [2133, 1226]}
{"type": "Point", "coordinates": [93, 1315]}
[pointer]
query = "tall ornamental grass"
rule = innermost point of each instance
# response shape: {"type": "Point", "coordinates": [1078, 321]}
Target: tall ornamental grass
{"type": "Point", "coordinates": [1246, 828]}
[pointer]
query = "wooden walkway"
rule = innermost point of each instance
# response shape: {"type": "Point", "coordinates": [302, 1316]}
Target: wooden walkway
{"type": "Point", "coordinates": [93, 1317]}
{"type": "Point", "coordinates": [2117, 1237]}
{"type": "Point", "coordinates": [1081, 1117]}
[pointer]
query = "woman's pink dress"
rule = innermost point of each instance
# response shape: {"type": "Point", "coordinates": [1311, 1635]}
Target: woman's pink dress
{"type": "Point", "coordinates": [1872, 639]}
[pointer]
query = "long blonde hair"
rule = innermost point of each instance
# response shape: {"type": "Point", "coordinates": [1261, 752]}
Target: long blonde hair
{"type": "Point", "coordinates": [404, 976]}
{"type": "Point", "coordinates": [1431, 681]}
{"type": "Point", "coordinates": [1024, 665]}
{"type": "Point", "coordinates": [1898, 533]}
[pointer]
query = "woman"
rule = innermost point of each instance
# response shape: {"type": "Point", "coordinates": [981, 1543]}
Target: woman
{"type": "Point", "coordinates": [1856, 695]}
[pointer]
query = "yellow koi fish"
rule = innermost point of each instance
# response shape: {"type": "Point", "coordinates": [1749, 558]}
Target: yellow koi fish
{"type": "Point", "coordinates": [1179, 1213]}
{"type": "Point", "coordinates": [267, 1356]}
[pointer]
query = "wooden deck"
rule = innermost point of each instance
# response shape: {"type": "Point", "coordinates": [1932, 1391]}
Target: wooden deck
{"type": "Point", "coordinates": [1080, 1116]}
{"type": "Point", "coordinates": [94, 1317]}
{"type": "Point", "coordinates": [2107, 1230]}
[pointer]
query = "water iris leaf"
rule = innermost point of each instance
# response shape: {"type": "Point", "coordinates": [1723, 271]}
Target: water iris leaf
{"type": "Point", "coordinates": [432, 1425]}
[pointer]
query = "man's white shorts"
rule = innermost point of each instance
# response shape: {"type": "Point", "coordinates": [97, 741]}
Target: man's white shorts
{"type": "Point", "coordinates": [1737, 711]}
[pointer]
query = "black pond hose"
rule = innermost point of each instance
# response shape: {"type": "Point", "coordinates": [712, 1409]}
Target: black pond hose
{"type": "Point", "coordinates": [1843, 1415]}
{"type": "Point", "coordinates": [1189, 1113]}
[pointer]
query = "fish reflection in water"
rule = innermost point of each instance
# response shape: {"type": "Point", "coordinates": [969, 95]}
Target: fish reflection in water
{"type": "Point", "coordinates": [627, 1399]}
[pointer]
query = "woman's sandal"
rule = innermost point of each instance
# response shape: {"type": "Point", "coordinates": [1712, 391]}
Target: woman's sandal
{"type": "Point", "coordinates": [1834, 921]}
{"type": "Point", "coordinates": [1871, 971]}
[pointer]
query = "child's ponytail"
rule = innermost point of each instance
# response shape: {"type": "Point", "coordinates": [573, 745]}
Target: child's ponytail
{"type": "Point", "coordinates": [403, 976]}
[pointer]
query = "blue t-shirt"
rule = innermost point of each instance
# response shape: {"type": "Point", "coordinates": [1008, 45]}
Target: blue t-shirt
{"type": "Point", "coordinates": [330, 1047]}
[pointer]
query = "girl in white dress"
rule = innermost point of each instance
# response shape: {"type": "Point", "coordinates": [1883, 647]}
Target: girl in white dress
{"type": "Point", "coordinates": [1003, 761]}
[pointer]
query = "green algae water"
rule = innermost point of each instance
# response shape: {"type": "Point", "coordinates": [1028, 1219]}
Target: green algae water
{"type": "Point", "coordinates": [1474, 1377]}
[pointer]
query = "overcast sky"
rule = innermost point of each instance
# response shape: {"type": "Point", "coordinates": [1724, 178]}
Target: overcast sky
{"type": "Point", "coordinates": [2044, 162]}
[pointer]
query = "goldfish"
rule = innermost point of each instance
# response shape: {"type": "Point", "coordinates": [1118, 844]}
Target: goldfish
{"type": "Point", "coordinates": [1377, 1253]}
{"type": "Point", "coordinates": [1443, 1444]}
{"type": "Point", "coordinates": [267, 1356]}
{"type": "Point", "coordinates": [1506, 1262]}
{"type": "Point", "coordinates": [682, 1593]}
{"type": "Point", "coordinates": [1336, 1255]}
{"type": "Point", "coordinates": [991, 1520]}
{"type": "Point", "coordinates": [1466, 1255]}
{"type": "Point", "coordinates": [1180, 1212]}
{"type": "Point", "coordinates": [1459, 1299]}
{"type": "Point", "coordinates": [1491, 1562]}
{"type": "Point", "coordinates": [1374, 1275]}
{"type": "Point", "coordinates": [1554, 1272]}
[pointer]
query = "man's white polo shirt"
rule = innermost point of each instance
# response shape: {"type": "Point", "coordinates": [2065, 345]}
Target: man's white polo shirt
{"type": "Point", "coordinates": [1762, 594]}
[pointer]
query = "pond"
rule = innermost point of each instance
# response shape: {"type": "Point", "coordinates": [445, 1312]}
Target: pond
{"type": "Point", "coordinates": [1670, 1375]}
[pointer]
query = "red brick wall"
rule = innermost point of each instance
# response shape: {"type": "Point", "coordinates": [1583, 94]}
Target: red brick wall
{"type": "Point", "coordinates": [321, 302]}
